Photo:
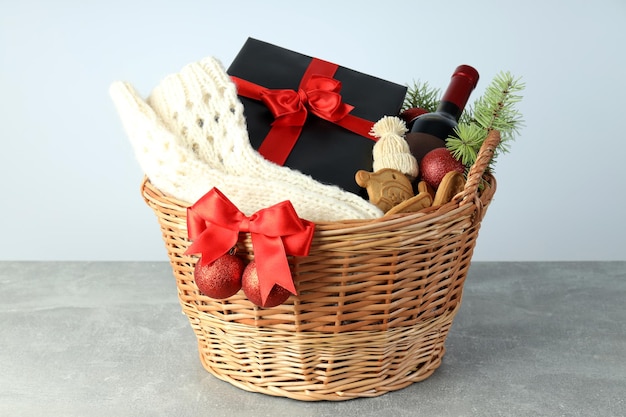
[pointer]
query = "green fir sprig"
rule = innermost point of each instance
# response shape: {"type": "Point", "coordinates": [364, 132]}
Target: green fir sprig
{"type": "Point", "coordinates": [495, 109]}
{"type": "Point", "coordinates": [421, 95]}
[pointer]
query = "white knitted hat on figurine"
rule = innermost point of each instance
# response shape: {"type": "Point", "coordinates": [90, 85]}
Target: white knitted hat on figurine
{"type": "Point", "coordinates": [190, 136]}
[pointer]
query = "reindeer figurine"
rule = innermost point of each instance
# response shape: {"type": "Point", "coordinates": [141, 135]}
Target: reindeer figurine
{"type": "Point", "coordinates": [386, 187]}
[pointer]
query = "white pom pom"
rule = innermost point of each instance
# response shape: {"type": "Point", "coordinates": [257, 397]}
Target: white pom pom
{"type": "Point", "coordinates": [389, 126]}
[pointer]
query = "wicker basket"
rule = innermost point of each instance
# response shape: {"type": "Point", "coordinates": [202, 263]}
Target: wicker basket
{"type": "Point", "coordinates": [376, 299]}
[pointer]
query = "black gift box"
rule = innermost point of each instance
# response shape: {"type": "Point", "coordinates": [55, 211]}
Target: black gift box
{"type": "Point", "coordinates": [324, 150]}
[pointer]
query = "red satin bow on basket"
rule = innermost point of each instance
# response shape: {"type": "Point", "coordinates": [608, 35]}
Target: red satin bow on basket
{"type": "Point", "coordinates": [318, 94]}
{"type": "Point", "coordinates": [214, 224]}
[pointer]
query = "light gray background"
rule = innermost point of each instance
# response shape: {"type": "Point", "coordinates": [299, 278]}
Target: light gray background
{"type": "Point", "coordinates": [69, 182]}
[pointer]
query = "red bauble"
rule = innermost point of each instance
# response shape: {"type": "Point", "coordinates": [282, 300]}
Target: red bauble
{"type": "Point", "coordinates": [250, 286]}
{"type": "Point", "coordinates": [436, 164]}
{"type": "Point", "coordinates": [220, 279]}
{"type": "Point", "coordinates": [409, 115]}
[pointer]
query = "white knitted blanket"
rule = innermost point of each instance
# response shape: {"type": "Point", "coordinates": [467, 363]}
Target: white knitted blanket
{"type": "Point", "coordinates": [190, 135]}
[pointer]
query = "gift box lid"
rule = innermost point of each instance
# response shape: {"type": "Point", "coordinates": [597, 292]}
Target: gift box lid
{"type": "Point", "coordinates": [323, 149]}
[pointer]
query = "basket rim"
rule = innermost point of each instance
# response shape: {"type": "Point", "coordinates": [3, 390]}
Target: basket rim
{"type": "Point", "coordinates": [471, 194]}
{"type": "Point", "coordinates": [151, 194]}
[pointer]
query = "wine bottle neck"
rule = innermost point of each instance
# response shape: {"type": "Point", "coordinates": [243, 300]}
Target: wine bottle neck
{"type": "Point", "coordinates": [461, 85]}
{"type": "Point", "coordinates": [450, 109]}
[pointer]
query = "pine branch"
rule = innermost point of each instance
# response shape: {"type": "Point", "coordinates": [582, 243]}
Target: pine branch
{"type": "Point", "coordinates": [465, 145]}
{"type": "Point", "coordinates": [495, 109]}
{"type": "Point", "coordinates": [422, 95]}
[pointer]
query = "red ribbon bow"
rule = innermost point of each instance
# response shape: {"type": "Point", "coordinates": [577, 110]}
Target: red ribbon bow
{"type": "Point", "coordinates": [318, 93]}
{"type": "Point", "coordinates": [214, 223]}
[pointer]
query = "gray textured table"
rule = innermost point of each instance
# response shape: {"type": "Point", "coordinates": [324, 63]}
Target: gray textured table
{"type": "Point", "coordinates": [109, 339]}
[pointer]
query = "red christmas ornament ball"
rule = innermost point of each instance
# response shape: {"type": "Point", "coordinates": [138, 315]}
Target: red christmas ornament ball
{"type": "Point", "coordinates": [436, 164]}
{"type": "Point", "coordinates": [221, 278]}
{"type": "Point", "coordinates": [409, 115]}
{"type": "Point", "coordinates": [250, 286]}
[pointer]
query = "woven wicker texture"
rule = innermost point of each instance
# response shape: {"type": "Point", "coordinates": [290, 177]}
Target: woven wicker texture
{"type": "Point", "coordinates": [376, 299]}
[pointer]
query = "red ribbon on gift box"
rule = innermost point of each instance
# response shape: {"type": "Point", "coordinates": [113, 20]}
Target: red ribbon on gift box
{"type": "Point", "coordinates": [318, 93]}
{"type": "Point", "coordinates": [214, 223]}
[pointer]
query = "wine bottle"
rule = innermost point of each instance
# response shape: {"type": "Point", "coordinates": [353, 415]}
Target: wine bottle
{"type": "Point", "coordinates": [430, 130]}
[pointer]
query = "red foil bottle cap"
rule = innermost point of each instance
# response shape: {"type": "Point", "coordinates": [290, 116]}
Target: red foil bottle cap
{"type": "Point", "coordinates": [468, 72]}
{"type": "Point", "coordinates": [464, 80]}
